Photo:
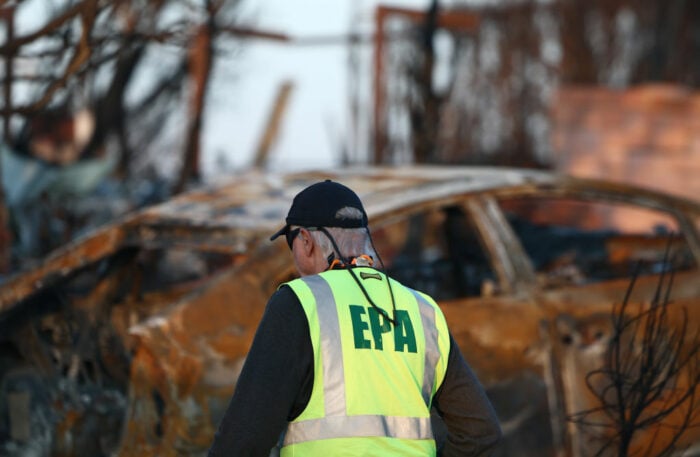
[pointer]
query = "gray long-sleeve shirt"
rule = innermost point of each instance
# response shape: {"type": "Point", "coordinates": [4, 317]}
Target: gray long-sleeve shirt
{"type": "Point", "coordinates": [276, 381]}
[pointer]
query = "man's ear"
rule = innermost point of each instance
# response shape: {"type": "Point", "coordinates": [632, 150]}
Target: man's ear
{"type": "Point", "coordinates": [307, 243]}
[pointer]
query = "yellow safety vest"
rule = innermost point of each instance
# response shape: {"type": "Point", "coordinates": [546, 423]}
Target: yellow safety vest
{"type": "Point", "coordinates": [373, 382]}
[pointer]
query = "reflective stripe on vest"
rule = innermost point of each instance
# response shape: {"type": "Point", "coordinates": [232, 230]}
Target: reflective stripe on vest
{"type": "Point", "coordinates": [331, 348]}
{"type": "Point", "coordinates": [336, 423]}
{"type": "Point", "coordinates": [432, 351]}
{"type": "Point", "coordinates": [410, 428]}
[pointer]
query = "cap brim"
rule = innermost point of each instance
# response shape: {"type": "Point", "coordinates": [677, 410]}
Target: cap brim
{"type": "Point", "coordinates": [281, 231]}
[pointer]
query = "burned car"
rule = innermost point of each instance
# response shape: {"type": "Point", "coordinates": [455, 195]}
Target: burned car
{"type": "Point", "coordinates": [129, 340]}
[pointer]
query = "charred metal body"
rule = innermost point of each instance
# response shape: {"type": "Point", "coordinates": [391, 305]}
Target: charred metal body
{"type": "Point", "coordinates": [129, 340]}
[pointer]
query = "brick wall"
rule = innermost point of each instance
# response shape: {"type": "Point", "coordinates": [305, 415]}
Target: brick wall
{"type": "Point", "coordinates": [648, 135]}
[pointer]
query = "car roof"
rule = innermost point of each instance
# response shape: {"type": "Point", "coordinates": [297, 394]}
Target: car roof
{"type": "Point", "coordinates": [260, 200]}
{"type": "Point", "coordinates": [233, 215]}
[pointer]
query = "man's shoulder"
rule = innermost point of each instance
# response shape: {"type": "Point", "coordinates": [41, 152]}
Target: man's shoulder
{"type": "Point", "coordinates": [283, 295]}
{"type": "Point", "coordinates": [284, 303]}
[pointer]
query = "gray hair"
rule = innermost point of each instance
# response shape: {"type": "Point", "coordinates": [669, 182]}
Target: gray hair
{"type": "Point", "coordinates": [351, 241]}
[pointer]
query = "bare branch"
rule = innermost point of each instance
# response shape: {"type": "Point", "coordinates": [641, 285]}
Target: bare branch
{"type": "Point", "coordinates": [13, 46]}
{"type": "Point", "coordinates": [650, 374]}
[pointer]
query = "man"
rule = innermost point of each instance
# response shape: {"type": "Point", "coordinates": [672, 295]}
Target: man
{"type": "Point", "coordinates": [346, 361]}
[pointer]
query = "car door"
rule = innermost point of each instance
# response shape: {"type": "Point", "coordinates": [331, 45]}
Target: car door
{"type": "Point", "coordinates": [584, 250]}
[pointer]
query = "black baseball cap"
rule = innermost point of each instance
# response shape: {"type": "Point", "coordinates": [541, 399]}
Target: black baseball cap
{"type": "Point", "coordinates": [318, 206]}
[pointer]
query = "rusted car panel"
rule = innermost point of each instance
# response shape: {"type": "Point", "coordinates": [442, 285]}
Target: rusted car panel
{"type": "Point", "coordinates": [129, 341]}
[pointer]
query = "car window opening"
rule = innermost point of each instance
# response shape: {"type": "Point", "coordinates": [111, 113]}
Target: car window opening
{"type": "Point", "coordinates": [579, 242]}
{"type": "Point", "coordinates": [438, 251]}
